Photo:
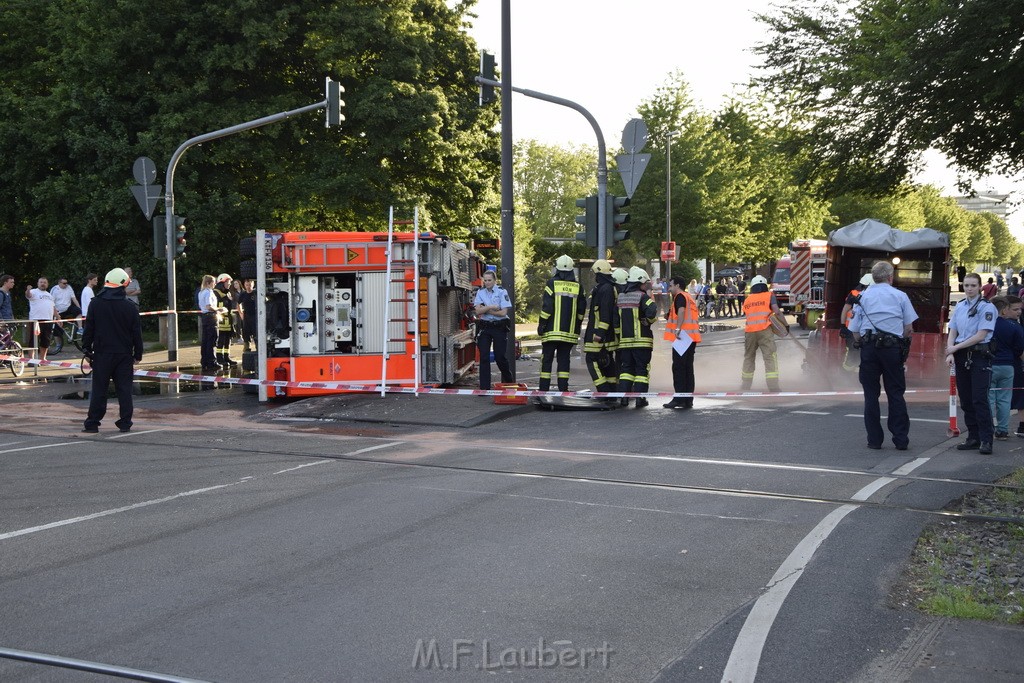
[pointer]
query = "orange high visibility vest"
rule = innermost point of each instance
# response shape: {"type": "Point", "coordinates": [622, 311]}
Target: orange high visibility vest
{"type": "Point", "coordinates": [757, 308]}
{"type": "Point", "coordinates": [691, 328]}
{"type": "Point", "coordinates": [849, 314]}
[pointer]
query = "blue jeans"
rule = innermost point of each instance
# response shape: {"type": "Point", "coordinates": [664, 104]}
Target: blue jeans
{"type": "Point", "coordinates": [999, 395]}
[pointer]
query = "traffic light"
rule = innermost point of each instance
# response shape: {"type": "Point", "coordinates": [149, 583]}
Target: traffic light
{"type": "Point", "coordinates": [334, 103]}
{"type": "Point", "coordinates": [160, 237]}
{"type": "Point", "coordinates": [616, 219]}
{"type": "Point", "coordinates": [180, 245]}
{"type": "Point", "coordinates": [588, 220]}
{"type": "Point", "coordinates": [486, 71]}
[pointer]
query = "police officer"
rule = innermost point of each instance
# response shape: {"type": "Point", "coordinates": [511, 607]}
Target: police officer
{"type": "Point", "coordinates": [637, 312]}
{"type": "Point", "coordinates": [492, 307]}
{"type": "Point", "coordinates": [561, 319]}
{"type": "Point", "coordinates": [967, 349]}
{"type": "Point", "coordinates": [113, 341]}
{"type": "Point", "coordinates": [882, 323]}
{"type": "Point", "coordinates": [225, 304]}
{"type": "Point", "coordinates": [599, 340]}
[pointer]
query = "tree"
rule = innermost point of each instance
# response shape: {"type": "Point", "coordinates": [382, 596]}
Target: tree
{"type": "Point", "coordinates": [888, 79]}
{"type": "Point", "coordinates": [979, 249]}
{"type": "Point", "coordinates": [1005, 247]}
{"type": "Point", "coordinates": [83, 97]}
{"type": "Point", "coordinates": [944, 214]}
{"type": "Point", "coordinates": [549, 180]}
{"type": "Point", "coordinates": [901, 210]}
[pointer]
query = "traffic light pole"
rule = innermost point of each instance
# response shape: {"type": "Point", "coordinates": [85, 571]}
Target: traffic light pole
{"type": "Point", "coordinates": [602, 164]}
{"type": "Point", "coordinates": [172, 318]}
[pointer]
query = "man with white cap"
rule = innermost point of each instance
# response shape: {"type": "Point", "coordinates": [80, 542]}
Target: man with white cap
{"type": "Point", "coordinates": [113, 342]}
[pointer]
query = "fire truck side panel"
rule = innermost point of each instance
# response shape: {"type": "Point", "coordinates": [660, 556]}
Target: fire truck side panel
{"type": "Point", "coordinates": [332, 311]}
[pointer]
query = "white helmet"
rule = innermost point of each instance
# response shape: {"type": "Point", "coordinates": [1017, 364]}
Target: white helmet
{"type": "Point", "coordinates": [601, 266]}
{"type": "Point", "coordinates": [117, 278]}
{"type": "Point", "coordinates": [223, 277]}
{"type": "Point", "coordinates": [564, 262]}
{"type": "Point", "coordinates": [638, 274]}
{"type": "Point", "coordinates": [867, 280]}
{"type": "Point", "coordinates": [758, 280]}
{"type": "Point", "coordinates": [619, 275]}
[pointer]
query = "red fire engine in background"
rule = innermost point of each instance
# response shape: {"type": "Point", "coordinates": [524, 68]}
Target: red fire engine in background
{"type": "Point", "coordinates": [371, 308]}
{"type": "Point", "coordinates": [799, 281]}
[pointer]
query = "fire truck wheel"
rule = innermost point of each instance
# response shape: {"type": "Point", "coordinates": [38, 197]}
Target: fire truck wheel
{"type": "Point", "coordinates": [247, 269]}
{"type": "Point", "coordinates": [249, 361]}
{"type": "Point", "coordinates": [247, 247]}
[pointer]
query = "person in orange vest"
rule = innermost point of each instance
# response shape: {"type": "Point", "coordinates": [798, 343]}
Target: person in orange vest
{"type": "Point", "coordinates": [683, 320]}
{"type": "Point", "coordinates": [759, 305]}
{"type": "Point", "coordinates": [846, 316]}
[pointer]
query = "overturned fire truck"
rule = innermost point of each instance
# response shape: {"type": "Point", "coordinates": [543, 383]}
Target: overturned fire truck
{"type": "Point", "coordinates": [367, 308]}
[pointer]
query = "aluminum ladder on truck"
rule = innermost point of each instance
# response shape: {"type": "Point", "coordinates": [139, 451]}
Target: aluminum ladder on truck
{"type": "Point", "coordinates": [411, 298]}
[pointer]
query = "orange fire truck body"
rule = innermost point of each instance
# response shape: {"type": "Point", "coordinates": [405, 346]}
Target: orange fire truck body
{"type": "Point", "coordinates": [363, 308]}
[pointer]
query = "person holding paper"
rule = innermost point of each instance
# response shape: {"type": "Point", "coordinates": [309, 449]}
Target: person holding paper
{"type": "Point", "coordinates": [758, 307]}
{"type": "Point", "coordinates": [683, 328]}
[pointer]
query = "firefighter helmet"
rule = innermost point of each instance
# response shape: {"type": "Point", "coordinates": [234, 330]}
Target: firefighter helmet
{"type": "Point", "coordinates": [638, 274]}
{"type": "Point", "coordinates": [117, 278]}
{"type": "Point", "coordinates": [758, 280]}
{"type": "Point", "coordinates": [619, 275]}
{"type": "Point", "coordinates": [563, 262]}
{"type": "Point", "coordinates": [602, 266]}
{"type": "Point", "coordinates": [867, 280]}
{"type": "Point", "coordinates": [223, 277]}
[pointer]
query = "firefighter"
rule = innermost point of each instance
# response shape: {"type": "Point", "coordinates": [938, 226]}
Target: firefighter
{"type": "Point", "coordinates": [224, 331]}
{"type": "Point", "coordinates": [758, 308]}
{"type": "Point", "coordinates": [561, 318]}
{"type": "Point", "coordinates": [847, 315]}
{"type": "Point", "coordinates": [599, 340]}
{"type": "Point", "coordinates": [637, 312]}
{"type": "Point", "coordinates": [683, 319]}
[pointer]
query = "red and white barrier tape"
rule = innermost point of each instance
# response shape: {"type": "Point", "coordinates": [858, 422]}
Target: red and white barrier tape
{"type": "Point", "coordinates": [953, 429]}
{"type": "Point", "coordinates": [352, 386]}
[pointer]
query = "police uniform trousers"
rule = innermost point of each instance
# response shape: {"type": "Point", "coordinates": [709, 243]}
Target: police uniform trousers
{"type": "Point", "coordinates": [683, 381]}
{"type": "Point", "coordinates": [878, 368]}
{"type": "Point", "coordinates": [634, 368]}
{"type": "Point", "coordinates": [606, 378]}
{"type": "Point", "coordinates": [492, 334]}
{"type": "Point", "coordinates": [973, 376]}
{"type": "Point", "coordinates": [106, 367]}
{"type": "Point", "coordinates": [765, 341]}
{"type": "Point", "coordinates": [207, 338]}
{"type": "Point", "coordinates": [552, 350]}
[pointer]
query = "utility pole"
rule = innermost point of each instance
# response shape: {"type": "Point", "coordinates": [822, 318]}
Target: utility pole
{"type": "Point", "coordinates": [508, 259]}
{"type": "Point", "coordinates": [668, 199]}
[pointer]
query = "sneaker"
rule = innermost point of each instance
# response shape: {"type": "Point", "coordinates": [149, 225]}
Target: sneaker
{"type": "Point", "coordinates": [1002, 436]}
{"type": "Point", "coordinates": [1020, 430]}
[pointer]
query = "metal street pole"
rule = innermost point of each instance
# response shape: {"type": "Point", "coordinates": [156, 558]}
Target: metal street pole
{"type": "Point", "coordinates": [508, 260]}
{"type": "Point", "coordinates": [668, 199]}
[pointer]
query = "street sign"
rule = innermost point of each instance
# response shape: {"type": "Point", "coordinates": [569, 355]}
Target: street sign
{"type": "Point", "coordinates": [487, 244]}
{"type": "Point", "coordinates": [145, 193]}
{"type": "Point", "coordinates": [634, 136]}
{"type": "Point", "coordinates": [668, 251]}
{"type": "Point", "coordinates": [631, 168]}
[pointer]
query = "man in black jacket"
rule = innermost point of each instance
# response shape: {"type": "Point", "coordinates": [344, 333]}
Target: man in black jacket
{"type": "Point", "coordinates": [113, 340]}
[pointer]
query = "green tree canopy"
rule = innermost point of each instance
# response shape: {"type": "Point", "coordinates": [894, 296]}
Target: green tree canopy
{"type": "Point", "coordinates": [89, 86]}
{"type": "Point", "coordinates": [880, 81]}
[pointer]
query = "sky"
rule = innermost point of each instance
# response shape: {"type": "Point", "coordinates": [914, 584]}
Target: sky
{"type": "Point", "coordinates": [609, 56]}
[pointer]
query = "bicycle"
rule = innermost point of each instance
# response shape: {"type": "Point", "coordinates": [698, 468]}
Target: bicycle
{"type": "Point", "coordinates": [64, 330]}
{"type": "Point", "coordinates": [11, 348]}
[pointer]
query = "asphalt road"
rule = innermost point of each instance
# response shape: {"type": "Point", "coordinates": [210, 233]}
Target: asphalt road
{"type": "Point", "coordinates": [227, 541]}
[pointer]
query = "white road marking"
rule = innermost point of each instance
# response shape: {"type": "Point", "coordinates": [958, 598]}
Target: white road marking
{"type": "Point", "coordinates": [808, 412]}
{"type": "Point", "coordinates": [148, 431]}
{"type": "Point", "coordinates": [746, 651]}
{"type": "Point", "coordinates": [308, 464]}
{"type": "Point", "coordinates": [913, 419]}
{"type": "Point", "coordinates": [48, 445]}
{"type": "Point", "coordinates": [114, 511]}
{"type": "Point", "coordinates": [374, 448]}
{"type": "Point", "coordinates": [754, 410]}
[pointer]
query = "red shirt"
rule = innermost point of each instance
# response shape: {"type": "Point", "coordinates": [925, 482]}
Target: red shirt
{"type": "Point", "coordinates": [989, 290]}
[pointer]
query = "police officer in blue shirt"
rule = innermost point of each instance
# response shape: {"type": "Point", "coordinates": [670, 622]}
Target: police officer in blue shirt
{"type": "Point", "coordinates": [882, 323]}
{"type": "Point", "coordinates": [968, 350]}
{"type": "Point", "coordinates": [492, 307]}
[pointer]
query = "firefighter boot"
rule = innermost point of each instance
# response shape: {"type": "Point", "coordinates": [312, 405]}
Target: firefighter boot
{"type": "Point", "coordinates": [626, 386]}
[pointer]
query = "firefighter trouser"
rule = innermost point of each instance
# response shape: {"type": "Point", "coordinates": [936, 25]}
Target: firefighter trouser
{"type": "Point", "coordinates": [765, 341]}
{"type": "Point", "coordinates": [635, 369]}
{"type": "Point", "coordinates": [605, 378]}
{"type": "Point", "coordinates": [552, 350]}
{"type": "Point", "coordinates": [223, 344]}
